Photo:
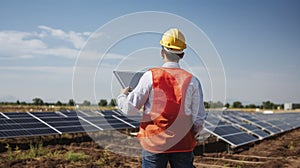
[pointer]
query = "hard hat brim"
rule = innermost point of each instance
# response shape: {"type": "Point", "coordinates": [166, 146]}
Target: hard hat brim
{"type": "Point", "coordinates": [172, 46]}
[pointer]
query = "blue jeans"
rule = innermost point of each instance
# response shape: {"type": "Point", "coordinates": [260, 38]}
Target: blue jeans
{"type": "Point", "coordinates": [160, 160]}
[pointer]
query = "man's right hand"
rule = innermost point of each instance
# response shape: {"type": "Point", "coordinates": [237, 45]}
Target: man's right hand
{"type": "Point", "coordinates": [126, 90]}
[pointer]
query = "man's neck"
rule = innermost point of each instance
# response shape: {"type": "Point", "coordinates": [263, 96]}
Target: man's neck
{"type": "Point", "coordinates": [166, 60]}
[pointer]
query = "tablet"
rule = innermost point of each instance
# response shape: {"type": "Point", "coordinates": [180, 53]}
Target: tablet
{"type": "Point", "coordinates": [128, 78]}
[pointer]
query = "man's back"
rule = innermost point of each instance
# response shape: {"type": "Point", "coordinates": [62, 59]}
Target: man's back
{"type": "Point", "coordinates": [173, 108]}
{"type": "Point", "coordinates": [166, 128]}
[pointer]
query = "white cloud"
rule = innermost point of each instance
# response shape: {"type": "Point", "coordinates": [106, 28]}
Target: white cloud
{"type": "Point", "coordinates": [15, 45]}
{"type": "Point", "coordinates": [26, 56]}
{"type": "Point", "coordinates": [62, 51]}
{"type": "Point", "coordinates": [51, 69]}
{"type": "Point", "coordinates": [27, 45]}
{"type": "Point", "coordinates": [87, 33]}
{"type": "Point", "coordinates": [54, 32]}
{"type": "Point", "coordinates": [19, 44]}
{"type": "Point", "coordinates": [77, 39]}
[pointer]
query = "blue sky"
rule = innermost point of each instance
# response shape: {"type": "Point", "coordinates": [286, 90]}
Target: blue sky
{"type": "Point", "coordinates": [258, 43]}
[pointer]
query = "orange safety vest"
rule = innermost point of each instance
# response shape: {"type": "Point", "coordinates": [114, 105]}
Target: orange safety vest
{"type": "Point", "coordinates": [166, 128]}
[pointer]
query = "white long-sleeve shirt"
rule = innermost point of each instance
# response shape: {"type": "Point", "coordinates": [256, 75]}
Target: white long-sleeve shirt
{"type": "Point", "coordinates": [142, 95]}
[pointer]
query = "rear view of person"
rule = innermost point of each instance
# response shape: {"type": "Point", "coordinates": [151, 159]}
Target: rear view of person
{"type": "Point", "coordinates": [173, 109]}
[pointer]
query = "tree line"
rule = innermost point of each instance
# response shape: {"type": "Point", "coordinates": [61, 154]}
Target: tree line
{"type": "Point", "coordinates": [112, 103]}
{"type": "Point", "coordinates": [39, 102]}
{"type": "Point", "coordinates": [237, 104]}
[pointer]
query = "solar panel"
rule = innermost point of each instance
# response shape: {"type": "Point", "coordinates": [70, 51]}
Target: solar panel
{"type": "Point", "coordinates": [279, 124]}
{"type": "Point", "coordinates": [260, 133]}
{"type": "Point", "coordinates": [46, 114]}
{"type": "Point", "coordinates": [283, 121]}
{"type": "Point", "coordinates": [213, 118]}
{"type": "Point", "coordinates": [239, 139]}
{"type": "Point", "coordinates": [134, 120]}
{"type": "Point", "coordinates": [224, 130]}
{"type": "Point", "coordinates": [232, 135]}
{"type": "Point", "coordinates": [295, 124]}
{"type": "Point", "coordinates": [87, 113]}
{"type": "Point", "coordinates": [108, 122]}
{"type": "Point", "coordinates": [2, 116]}
{"type": "Point", "coordinates": [40, 131]}
{"type": "Point", "coordinates": [110, 112]}
{"type": "Point", "coordinates": [68, 124]}
{"type": "Point", "coordinates": [8, 126]}
{"type": "Point", "coordinates": [14, 133]}
{"type": "Point", "coordinates": [252, 129]}
{"type": "Point", "coordinates": [261, 124]}
{"type": "Point", "coordinates": [23, 127]}
{"type": "Point", "coordinates": [68, 113]}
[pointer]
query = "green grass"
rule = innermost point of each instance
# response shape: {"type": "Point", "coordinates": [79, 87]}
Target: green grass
{"type": "Point", "coordinates": [291, 146]}
{"type": "Point", "coordinates": [35, 151]}
{"type": "Point", "coordinates": [76, 156]}
{"type": "Point", "coordinates": [9, 156]}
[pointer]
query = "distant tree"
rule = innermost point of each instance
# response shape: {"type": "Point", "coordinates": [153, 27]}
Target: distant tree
{"type": "Point", "coordinates": [71, 102]}
{"type": "Point", "coordinates": [206, 105]}
{"type": "Point", "coordinates": [280, 106]}
{"type": "Point", "coordinates": [227, 105]}
{"type": "Point", "coordinates": [102, 102]}
{"type": "Point", "coordinates": [23, 103]}
{"type": "Point", "coordinates": [237, 104]}
{"type": "Point", "coordinates": [86, 103]}
{"type": "Point", "coordinates": [217, 104]}
{"type": "Point", "coordinates": [58, 103]}
{"type": "Point", "coordinates": [38, 101]}
{"type": "Point", "coordinates": [251, 106]}
{"type": "Point", "coordinates": [18, 102]}
{"type": "Point", "coordinates": [268, 105]}
{"type": "Point", "coordinates": [112, 102]}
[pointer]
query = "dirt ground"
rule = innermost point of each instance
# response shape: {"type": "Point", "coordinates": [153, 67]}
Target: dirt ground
{"type": "Point", "coordinates": [81, 151]}
{"type": "Point", "coordinates": [281, 151]}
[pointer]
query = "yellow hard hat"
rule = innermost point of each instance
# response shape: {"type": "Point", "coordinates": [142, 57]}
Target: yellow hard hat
{"type": "Point", "coordinates": [173, 39]}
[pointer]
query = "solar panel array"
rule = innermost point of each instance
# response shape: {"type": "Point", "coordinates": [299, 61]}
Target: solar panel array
{"type": "Point", "coordinates": [240, 128]}
{"type": "Point", "coordinates": [235, 128]}
{"type": "Point", "coordinates": [15, 124]}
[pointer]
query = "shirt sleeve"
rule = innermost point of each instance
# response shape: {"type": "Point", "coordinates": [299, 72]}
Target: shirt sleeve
{"type": "Point", "coordinates": [135, 100]}
{"type": "Point", "coordinates": [197, 105]}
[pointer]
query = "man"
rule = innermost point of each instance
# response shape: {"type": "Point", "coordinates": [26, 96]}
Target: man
{"type": "Point", "coordinates": [173, 109]}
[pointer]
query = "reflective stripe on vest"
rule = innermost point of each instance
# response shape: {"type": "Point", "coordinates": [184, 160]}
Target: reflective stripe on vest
{"type": "Point", "coordinates": [167, 128]}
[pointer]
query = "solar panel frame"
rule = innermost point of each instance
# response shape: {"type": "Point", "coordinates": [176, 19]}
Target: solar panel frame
{"type": "Point", "coordinates": [133, 120]}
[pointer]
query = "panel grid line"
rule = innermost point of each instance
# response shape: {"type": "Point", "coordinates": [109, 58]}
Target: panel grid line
{"type": "Point", "coordinates": [44, 122]}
